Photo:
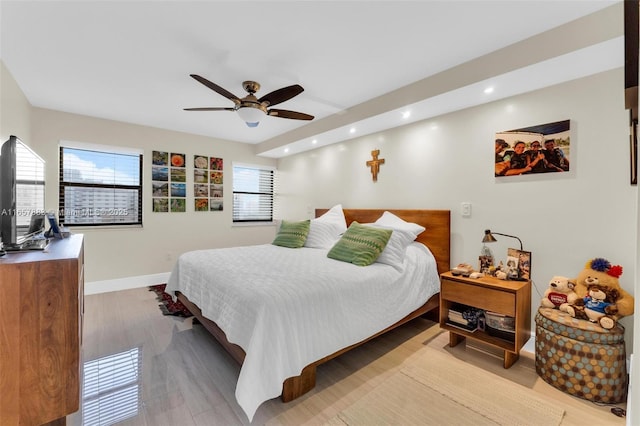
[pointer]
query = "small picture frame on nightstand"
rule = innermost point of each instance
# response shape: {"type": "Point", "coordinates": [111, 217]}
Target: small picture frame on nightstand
{"type": "Point", "coordinates": [486, 262]}
{"type": "Point", "coordinates": [518, 265]}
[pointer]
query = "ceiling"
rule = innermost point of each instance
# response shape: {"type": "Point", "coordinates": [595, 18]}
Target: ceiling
{"type": "Point", "coordinates": [358, 61]}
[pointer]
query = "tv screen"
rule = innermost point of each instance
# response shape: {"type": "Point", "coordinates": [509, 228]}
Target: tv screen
{"type": "Point", "coordinates": [21, 190]}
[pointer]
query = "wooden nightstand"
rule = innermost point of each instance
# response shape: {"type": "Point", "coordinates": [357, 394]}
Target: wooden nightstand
{"type": "Point", "coordinates": [512, 298]}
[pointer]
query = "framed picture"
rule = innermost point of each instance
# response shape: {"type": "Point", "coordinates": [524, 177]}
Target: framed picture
{"type": "Point", "coordinates": [544, 148]}
{"type": "Point", "coordinates": [486, 262]}
{"type": "Point", "coordinates": [518, 267]}
{"type": "Point", "coordinates": [168, 174]}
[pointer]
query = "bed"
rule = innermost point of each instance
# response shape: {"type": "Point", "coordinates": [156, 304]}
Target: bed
{"type": "Point", "coordinates": [279, 348]}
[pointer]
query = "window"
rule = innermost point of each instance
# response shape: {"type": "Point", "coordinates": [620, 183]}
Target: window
{"type": "Point", "coordinates": [252, 193]}
{"type": "Point", "coordinates": [100, 185]}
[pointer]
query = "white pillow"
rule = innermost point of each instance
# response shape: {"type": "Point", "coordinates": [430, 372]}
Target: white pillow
{"type": "Point", "coordinates": [392, 221]}
{"type": "Point", "coordinates": [396, 248]}
{"type": "Point", "coordinates": [326, 230]}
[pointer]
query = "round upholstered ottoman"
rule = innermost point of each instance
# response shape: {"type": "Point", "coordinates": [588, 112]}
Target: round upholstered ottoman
{"type": "Point", "coordinates": [581, 358]}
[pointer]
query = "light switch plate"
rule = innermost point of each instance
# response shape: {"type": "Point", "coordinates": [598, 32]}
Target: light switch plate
{"type": "Point", "coordinates": [466, 209]}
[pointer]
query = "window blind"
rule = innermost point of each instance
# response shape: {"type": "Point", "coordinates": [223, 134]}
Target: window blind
{"type": "Point", "coordinates": [253, 188]}
{"type": "Point", "coordinates": [29, 184]}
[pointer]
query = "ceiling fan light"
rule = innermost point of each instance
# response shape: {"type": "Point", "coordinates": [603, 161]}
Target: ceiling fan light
{"type": "Point", "coordinates": [251, 115]}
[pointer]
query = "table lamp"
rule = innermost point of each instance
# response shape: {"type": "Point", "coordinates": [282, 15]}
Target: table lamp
{"type": "Point", "coordinates": [489, 238]}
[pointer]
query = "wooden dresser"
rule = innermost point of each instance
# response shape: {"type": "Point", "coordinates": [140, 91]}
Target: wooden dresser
{"type": "Point", "coordinates": [41, 306]}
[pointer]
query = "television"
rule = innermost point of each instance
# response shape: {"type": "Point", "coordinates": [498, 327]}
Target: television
{"type": "Point", "coordinates": [21, 192]}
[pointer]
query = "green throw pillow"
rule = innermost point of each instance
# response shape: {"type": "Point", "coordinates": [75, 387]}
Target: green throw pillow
{"type": "Point", "coordinates": [292, 234]}
{"type": "Point", "coordinates": [360, 245]}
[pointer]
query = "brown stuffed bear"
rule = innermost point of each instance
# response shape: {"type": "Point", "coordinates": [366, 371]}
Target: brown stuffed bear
{"type": "Point", "coordinates": [600, 271]}
{"type": "Point", "coordinates": [599, 306]}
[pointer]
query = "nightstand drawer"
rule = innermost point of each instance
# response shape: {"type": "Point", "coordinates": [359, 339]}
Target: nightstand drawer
{"type": "Point", "coordinates": [479, 297]}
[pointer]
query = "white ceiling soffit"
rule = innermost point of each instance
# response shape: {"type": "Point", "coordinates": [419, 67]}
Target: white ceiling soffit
{"type": "Point", "coordinates": [601, 57]}
{"type": "Point", "coordinates": [130, 61]}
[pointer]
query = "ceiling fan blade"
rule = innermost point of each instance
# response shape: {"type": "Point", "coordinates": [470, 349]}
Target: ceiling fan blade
{"type": "Point", "coordinates": [283, 113]}
{"type": "Point", "coordinates": [217, 88]}
{"type": "Point", "coordinates": [281, 95]}
{"type": "Point", "coordinates": [211, 109]}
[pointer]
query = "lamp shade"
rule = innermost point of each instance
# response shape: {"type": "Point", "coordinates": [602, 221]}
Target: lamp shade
{"type": "Point", "coordinates": [251, 115]}
{"type": "Point", "coordinates": [489, 238]}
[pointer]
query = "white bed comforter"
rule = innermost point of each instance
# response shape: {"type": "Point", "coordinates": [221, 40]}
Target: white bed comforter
{"type": "Point", "coordinates": [288, 308]}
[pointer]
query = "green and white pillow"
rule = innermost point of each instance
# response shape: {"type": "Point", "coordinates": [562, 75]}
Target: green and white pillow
{"type": "Point", "coordinates": [292, 234]}
{"type": "Point", "coordinates": [360, 245]}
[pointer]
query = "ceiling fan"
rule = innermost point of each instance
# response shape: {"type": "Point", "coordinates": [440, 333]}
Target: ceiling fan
{"type": "Point", "coordinates": [250, 108]}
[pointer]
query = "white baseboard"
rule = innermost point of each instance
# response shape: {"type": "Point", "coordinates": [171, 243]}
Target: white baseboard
{"type": "Point", "coordinates": [530, 346]}
{"type": "Point", "coordinates": [105, 286]}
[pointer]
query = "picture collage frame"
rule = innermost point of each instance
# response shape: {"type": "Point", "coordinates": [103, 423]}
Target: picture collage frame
{"type": "Point", "coordinates": [170, 183]}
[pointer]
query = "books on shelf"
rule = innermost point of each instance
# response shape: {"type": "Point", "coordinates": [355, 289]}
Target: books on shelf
{"type": "Point", "coordinates": [457, 318]}
{"type": "Point", "coordinates": [463, 317]}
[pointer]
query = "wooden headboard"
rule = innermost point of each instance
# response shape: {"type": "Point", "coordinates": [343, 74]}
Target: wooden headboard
{"type": "Point", "coordinates": [437, 235]}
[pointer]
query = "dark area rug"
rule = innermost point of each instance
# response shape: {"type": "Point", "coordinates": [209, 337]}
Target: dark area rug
{"type": "Point", "coordinates": [167, 305]}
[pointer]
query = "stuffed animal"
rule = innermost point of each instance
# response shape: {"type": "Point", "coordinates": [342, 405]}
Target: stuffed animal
{"type": "Point", "coordinates": [501, 275]}
{"type": "Point", "coordinates": [559, 294]}
{"type": "Point", "coordinates": [599, 306]}
{"type": "Point", "coordinates": [600, 271]}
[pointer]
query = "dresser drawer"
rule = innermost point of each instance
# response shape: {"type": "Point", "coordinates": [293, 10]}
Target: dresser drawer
{"type": "Point", "coordinates": [479, 297]}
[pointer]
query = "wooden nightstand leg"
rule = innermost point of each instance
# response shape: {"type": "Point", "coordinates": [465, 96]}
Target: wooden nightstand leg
{"type": "Point", "coordinates": [510, 358]}
{"type": "Point", "coordinates": [454, 339]}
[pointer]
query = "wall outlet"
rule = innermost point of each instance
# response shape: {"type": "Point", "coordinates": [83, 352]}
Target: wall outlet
{"type": "Point", "coordinates": [466, 209]}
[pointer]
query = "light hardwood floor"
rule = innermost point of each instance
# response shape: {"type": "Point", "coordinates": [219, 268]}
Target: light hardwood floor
{"type": "Point", "coordinates": [187, 379]}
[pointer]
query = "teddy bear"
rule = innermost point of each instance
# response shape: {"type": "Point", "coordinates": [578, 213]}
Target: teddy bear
{"type": "Point", "coordinates": [559, 294]}
{"type": "Point", "coordinates": [599, 306]}
{"type": "Point", "coordinates": [601, 271]}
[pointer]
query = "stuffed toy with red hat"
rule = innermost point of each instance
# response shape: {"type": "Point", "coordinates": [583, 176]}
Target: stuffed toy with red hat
{"type": "Point", "coordinates": [601, 272]}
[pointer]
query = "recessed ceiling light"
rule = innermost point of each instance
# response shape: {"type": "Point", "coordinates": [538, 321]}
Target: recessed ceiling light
{"type": "Point", "coordinates": [315, 141]}
{"type": "Point", "coordinates": [352, 130]}
{"type": "Point", "coordinates": [286, 150]}
{"type": "Point", "coordinates": [406, 114]}
{"type": "Point", "coordinates": [488, 90]}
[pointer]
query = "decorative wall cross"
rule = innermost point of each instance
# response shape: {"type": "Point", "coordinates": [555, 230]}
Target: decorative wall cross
{"type": "Point", "coordinates": [375, 164]}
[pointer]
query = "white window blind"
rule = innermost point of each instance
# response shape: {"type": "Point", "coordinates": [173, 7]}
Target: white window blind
{"type": "Point", "coordinates": [253, 188]}
{"type": "Point", "coordinates": [29, 184]}
{"type": "Point", "coordinates": [99, 186]}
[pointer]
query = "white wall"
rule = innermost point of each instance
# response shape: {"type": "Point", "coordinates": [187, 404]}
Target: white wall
{"type": "Point", "coordinates": [563, 219]}
{"type": "Point", "coordinates": [633, 416]}
{"type": "Point", "coordinates": [15, 110]}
